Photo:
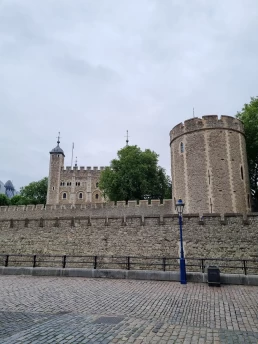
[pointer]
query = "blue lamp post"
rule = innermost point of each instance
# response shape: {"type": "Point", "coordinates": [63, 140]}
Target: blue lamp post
{"type": "Point", "coordinates": [180, 207]}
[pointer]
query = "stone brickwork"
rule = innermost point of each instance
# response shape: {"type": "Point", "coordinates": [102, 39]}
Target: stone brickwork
{"type": "Point", "coordinates": [209, 165]}
{"type": "Point", "coordinates": [71, 185]}
{"type": "Point", "coordinates": [120, 208]}
{"type": "Point", "coordinates": [80, 185]}
{"type": "Point", "coordinates": [141, 235]}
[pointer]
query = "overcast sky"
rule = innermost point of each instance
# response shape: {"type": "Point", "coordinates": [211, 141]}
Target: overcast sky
{"type": "Point", "coordinates": [92, 69]}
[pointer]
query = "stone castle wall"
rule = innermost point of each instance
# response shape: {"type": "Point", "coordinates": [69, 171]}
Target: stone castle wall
{"type": "Point", "coordinates": [80, 185]}
{"type": "Point", "coordinates": [209, 165]}
{"type": "Point", "coordinates": [108, 209]}
{"type": "Point", "coordinates": [72, 185]}
{"type": "Point", "coordinates": [146, 233]}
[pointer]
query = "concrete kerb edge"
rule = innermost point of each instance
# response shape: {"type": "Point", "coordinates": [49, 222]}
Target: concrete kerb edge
{"type": "Point", "coordinates": [150, 275]}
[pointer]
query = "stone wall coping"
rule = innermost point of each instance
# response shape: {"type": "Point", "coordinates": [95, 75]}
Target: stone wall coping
{"type": "Point", "coordinates": [41, 218]}
{"type": "Point", "coordinates": [172, 276]}
{"type": "Point", "coordinates": [32, 207]}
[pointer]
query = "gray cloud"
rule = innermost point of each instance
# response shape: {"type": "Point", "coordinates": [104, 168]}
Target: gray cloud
{"type": "Point", "coordinates": [93, 69]}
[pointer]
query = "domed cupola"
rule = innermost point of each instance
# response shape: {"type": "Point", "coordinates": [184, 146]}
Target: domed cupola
{"type": "Point", "coordinates": [57, 149]}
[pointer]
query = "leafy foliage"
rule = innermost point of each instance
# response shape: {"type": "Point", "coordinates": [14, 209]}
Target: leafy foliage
{"type": "Point", "coordinates": [135, 175]}
{"type": "Point", "coordinates": [249, 116]}
{"type": "Point", "coordinates": [4, 200]}
{"type": "Point", "coordinates": [34, 193]}
{"type": "Point", "coordinates": [19, 200]}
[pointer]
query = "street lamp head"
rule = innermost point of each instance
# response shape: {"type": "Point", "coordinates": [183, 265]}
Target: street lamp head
{"type": "Point", "coordinates": [180, 206]}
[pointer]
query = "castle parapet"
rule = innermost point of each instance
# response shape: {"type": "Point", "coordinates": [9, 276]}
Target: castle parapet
{"type": "Point", "coordinates": [82, 169]}
{"type": "Point", "coordinates": [206, 122]}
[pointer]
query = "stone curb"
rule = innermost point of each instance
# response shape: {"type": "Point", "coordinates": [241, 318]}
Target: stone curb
{"type": "Point", "coordinates": [150, 275]}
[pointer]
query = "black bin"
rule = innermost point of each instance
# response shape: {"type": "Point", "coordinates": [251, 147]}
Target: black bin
{"type": "Point", "coordinates": [213, 276]}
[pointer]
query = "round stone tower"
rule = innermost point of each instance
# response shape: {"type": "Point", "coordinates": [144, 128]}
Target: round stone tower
{"type": "Point", "coordinates": [209, 165]}
{"type": "Point", "coordinates": [55, 165]}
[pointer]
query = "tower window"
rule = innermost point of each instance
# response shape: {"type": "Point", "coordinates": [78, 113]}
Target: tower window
{"type": "Point", "coordinates": [77, 183]}
{"type": "Point", "coordinates": [97, 185]}
{"type": "Point", "coordinates": [53, 188]}
{"type": "Point", "coordinates": [97, 196]}
{"type": "Point", "coordinates": [64, 195]}
{"type": "Point", "coordinates": [69, 183]}
{"type": "Point", "coordinates": [182, 148]}
{"type": "Point", "coordinates": [242, 173]}
{"type": "Point", "coordinates": [80, 195]}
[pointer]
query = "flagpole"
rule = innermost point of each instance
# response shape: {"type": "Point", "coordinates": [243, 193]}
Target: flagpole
{"type": "Point", "coordinates": [72, 155]}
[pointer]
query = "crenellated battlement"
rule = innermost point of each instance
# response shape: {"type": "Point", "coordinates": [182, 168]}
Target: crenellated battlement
{"type": "Point", "coordinates": [204, 123]}
{"type": "Point", "coordinates": [143, 208]}
{"type": "Point", "coordinates": [104, 205]}
{"type": "Point", "coordinates": [82, 169]}
{"type": "Point", "coordinates": [118, 209]}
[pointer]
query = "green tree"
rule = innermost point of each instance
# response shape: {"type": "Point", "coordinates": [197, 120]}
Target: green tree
{"type": "Point", "coordinates": [19, 200]}
{"type": "Point", "coordinates": [135, 175]}
{"type": "Point", "coordinates": [35, 192]}
{"type": "Point", "coordinates": [249, 116]}
{"type": "Point", "coordinates": [4, 200]}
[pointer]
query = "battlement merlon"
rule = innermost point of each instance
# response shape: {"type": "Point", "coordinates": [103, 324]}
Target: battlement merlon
{"type": "Point", "coordinates": [81, 170]}
{"type": "Point", "coordinates": [204, 123]}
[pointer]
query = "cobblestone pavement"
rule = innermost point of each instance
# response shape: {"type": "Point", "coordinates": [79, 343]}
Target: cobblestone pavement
{"type": "Point", "coordinates": [78, 310]}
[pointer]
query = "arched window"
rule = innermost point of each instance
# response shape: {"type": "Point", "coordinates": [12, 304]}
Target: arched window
{"type": "Point", "coordinates": [80, 195]}
{"type": "Point", "coordinates": [242, 173]}
{"type": "Point", "coordinates": [64, 195]}
{"type": "Point", "coordinates": [182, 148]}
{"type": "Point", "coordinates": [97, 196]}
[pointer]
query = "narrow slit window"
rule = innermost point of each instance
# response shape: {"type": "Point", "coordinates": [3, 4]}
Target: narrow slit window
{"type": "Point", "coordinates": [182, 148]}
{"type": "Point", "coordinates": [242, 173]}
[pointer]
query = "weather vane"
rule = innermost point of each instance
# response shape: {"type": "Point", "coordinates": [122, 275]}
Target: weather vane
{"type": "Point", "coordinates": [58, 138]}
{"type": "Point", "coordinates": [127, 138]}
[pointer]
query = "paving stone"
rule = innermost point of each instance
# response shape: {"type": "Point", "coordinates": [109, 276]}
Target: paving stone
{"type": "Point", "coordinates": [76, 310]}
